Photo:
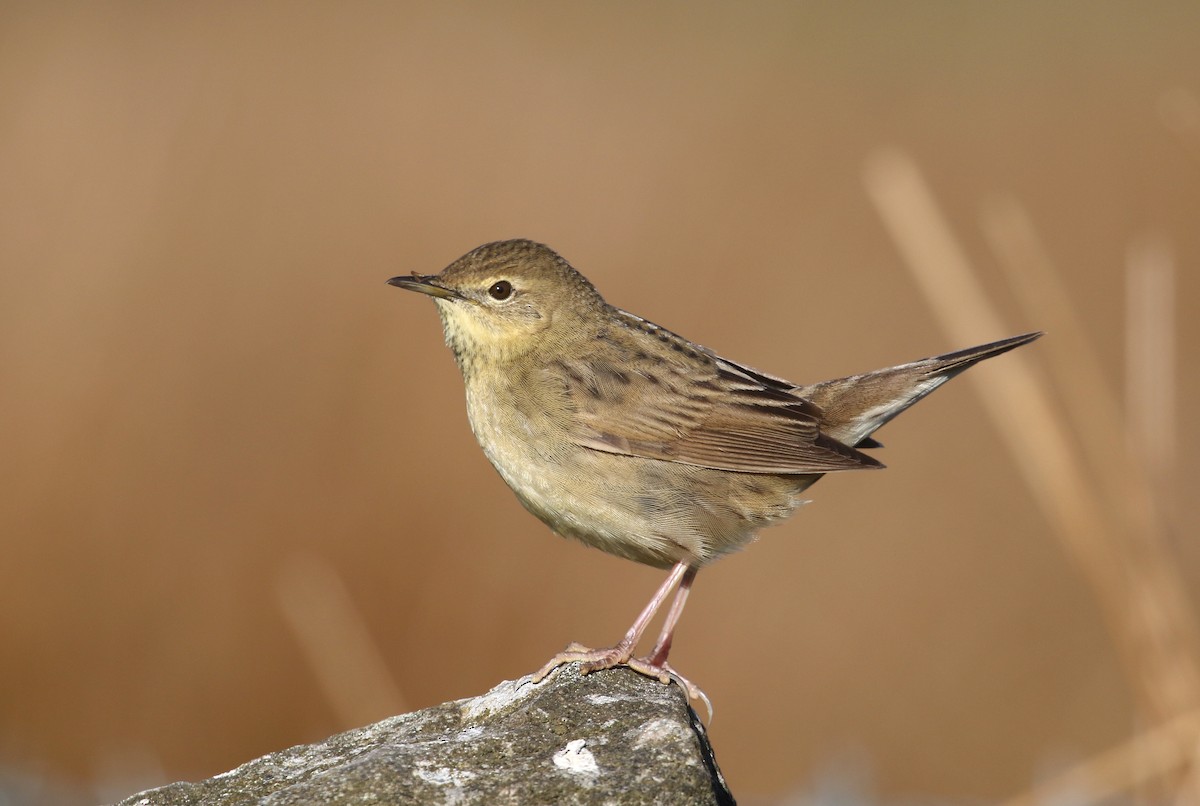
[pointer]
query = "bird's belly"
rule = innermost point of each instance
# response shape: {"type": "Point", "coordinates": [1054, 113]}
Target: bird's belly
{"type": "Point", "coordinates": [647, 510]}
{"type": "Point", "coordinates": [578, 497]}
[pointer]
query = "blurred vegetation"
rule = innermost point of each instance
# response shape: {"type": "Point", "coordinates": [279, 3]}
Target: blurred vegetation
{"type": "Point", "coordinates": [241, 507]}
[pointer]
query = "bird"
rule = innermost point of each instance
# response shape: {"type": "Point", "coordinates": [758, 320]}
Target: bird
{"type": "Point", "coordinates": [634, 440]}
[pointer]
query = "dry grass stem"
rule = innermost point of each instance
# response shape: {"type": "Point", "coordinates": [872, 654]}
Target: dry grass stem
{"type": "Point", "coordinates": [1148, 756]}
{"type": "Point", "coordinates": [1164, 636]}
{"type": "Point", "coordinates": [1106, 520]}
{"type": "Point", "coordinates": [1016, 402]}
{"type": "Point", "coordinates": [336, 642]}
{"type": "Point", "coordinates": [1164, 629]}
{"type": "Point", "coordinates": [1150, 358]}
{"type": "Point", "coordinates": [1179, 111]}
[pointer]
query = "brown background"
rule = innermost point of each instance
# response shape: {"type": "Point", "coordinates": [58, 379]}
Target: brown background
{"type": "Point", "coordinates": [207, 388]}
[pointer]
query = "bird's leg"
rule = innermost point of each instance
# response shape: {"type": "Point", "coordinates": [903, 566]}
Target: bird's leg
{"type": "Point", "coordinates": [663, 646]}
{"type": "Point", "coordinates": [655, 664]}
{"type": "Point", "coordinates": [594, 660]}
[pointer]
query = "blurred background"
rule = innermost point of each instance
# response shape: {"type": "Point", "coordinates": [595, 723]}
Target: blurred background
{"type": "Point", "coordinates": [240, 505]}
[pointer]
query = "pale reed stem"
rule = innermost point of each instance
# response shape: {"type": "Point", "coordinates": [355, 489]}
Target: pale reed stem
{"type": "Point", "coordinates": [336, 641]}
{"type": "Point", "coordinates": [1129, 568]}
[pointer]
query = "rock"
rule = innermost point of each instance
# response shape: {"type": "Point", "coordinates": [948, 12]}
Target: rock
{"type": "Point", "coordinates": [612, 737]}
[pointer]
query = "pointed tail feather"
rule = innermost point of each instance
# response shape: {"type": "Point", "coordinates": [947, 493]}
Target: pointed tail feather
{"type": "Point", "coordinates": [853, 407]}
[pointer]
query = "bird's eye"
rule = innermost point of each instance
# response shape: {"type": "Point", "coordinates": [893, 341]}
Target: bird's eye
{"type": "Point", "coordinates": [500, 290]}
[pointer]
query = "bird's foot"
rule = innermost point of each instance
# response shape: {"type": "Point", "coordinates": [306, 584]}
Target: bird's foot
{"type": "Point", "coordinates": [589, 660]}
{"type": "Point", "coordinates": [665, 674]}
{"type": "Point", "coordinates": [595, 660]}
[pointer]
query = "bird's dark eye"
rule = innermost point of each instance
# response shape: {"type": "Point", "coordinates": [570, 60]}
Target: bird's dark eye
{"type": "Point", "coordinates": [501, 289]}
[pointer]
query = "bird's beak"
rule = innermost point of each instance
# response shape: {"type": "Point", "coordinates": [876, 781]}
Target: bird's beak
{"type": "Point", "coordinates": [426, 284]}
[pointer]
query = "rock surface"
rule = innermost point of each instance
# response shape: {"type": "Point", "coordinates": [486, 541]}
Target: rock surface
{"type": "Point", "coordinates": [612, 737]}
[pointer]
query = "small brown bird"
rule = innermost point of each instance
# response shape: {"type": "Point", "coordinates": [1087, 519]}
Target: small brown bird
{"type": "Point", "coordinates": [634, 440]}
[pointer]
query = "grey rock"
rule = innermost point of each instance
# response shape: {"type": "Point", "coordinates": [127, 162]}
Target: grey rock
{"type": "Point", "coordinates": [612, 737]}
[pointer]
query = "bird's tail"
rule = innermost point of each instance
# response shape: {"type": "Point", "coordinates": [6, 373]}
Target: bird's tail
{"type": "Point", "coordinates": [854, 407]}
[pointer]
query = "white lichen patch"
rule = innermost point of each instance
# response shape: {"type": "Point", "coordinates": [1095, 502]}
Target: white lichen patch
{"type": "Point", "coordinates": [469, 734]}
{"type": "Point", "coordinates": [602, 699]}
{"type": "Point", "coordinates": [659, 732]}
{"type": "Point", "coordinates": [499, 698]}
{"type": "Point", "coordinates": [443, 776]}
{"type": "Point", "coordinates": [577, 759]}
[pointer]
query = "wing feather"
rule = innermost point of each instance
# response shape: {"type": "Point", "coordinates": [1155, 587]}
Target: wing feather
{"type": "Point", "coordinates": [684, 404]}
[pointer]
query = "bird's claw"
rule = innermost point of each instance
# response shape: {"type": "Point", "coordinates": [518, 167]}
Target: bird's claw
{"type": "Point", "coordinates": [595, 660]}
{"type": "Point", "coordinates": [589, 660]}
{"type": "Point", "coordinates": [664, 673]}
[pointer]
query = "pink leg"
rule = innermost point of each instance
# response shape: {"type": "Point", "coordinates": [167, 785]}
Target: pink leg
{"type": "Point", "coordinates": [655, 665]}
{"type": "Point", "coordinates": [663, 647]}
{"type": "Point", "coordinates": [594, 660]}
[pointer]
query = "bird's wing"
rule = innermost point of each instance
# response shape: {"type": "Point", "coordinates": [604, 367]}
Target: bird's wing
{"type": "Point", "coordinates": [687, 405]}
